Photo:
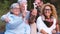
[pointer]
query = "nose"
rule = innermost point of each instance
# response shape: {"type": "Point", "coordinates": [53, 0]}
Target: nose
{"type": "Point", "coordinates": [47, 12]}
{"type": "Point", "coordinates": [23, 6]}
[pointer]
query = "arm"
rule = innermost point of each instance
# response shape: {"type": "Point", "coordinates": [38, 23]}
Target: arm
{"type": "Point", "coordinates": [56, 30]}
{"type": "Point", "coordinates": [43, 32]}
{"type": "Point", "coordinates": [57, 27]}
{"type": "Point", "coordinates": [28, 29]}
{"type": "Point", "coordinates": [15, 22]}
{"type": "Point", "coordinates": [5, 17]}
{"type": "Point", "coordinates": [12, 23]}
{"type": "Point", "coordinates": [40, 26]}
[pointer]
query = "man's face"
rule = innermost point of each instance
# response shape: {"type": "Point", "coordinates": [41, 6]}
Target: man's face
{"type": "Point", "coordinates": [22, 6]}
{"type": "Point", "coordinates": [39, 3]}
{"type": "Point", "coordinates": [34, 12]}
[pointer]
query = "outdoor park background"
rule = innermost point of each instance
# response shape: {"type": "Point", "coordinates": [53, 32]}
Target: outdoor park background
{"type": "Point", "coordinates": [5, 5]}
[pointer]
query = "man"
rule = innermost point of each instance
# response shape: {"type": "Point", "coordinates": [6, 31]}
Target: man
{"type": "Point", "coordinates": [32, 22]}
{"type": "Point", "coordinates": [24, 13]}
{"type": "Point", "coordinates": [38, 4]}
{"type": "Point", "coordinates": [23, 8]}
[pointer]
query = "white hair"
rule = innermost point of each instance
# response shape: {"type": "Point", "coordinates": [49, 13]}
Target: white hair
{"type": "Point", "coordinates": [21, 1]}
{"type": "Point", "coordinates": [14, 5]}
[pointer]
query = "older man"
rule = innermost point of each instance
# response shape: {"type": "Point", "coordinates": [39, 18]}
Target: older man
{"type": "Point", "coordinates": [23, 8]}
{"type": "Point", "coordinates": [25, 13]}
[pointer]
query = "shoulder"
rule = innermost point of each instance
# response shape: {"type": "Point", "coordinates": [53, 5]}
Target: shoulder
{"type": "Point", "coordinates": [28, 11]}
{"type": "Point", "coordinates": [40, 17]}
{"type": "Point", "coordinates": [54, 18]}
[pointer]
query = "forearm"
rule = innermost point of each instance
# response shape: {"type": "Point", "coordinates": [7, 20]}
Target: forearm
{"type": "Point", "coordinates": [43, 32]}
{"type": "Point", "coordinates": [57, 27]}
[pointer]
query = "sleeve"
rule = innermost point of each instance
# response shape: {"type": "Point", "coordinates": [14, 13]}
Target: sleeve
{"type": "Point", "coordinates": [15, 23]}
{"type": "Point", "coordinates": [3, 17]}
{"type": "Point", "coordinates": [39, 24]}
{"type": "Point", "coordinates": [28, 29]}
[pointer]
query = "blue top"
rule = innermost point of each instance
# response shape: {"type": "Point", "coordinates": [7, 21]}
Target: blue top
{"type": "Point", "coordinates": [27, 14]}
{"type": "Point", "coordinates": [16, 25]}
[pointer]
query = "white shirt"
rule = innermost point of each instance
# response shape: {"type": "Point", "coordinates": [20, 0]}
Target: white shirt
{"type": "Point", "coordinates": [41, 25]}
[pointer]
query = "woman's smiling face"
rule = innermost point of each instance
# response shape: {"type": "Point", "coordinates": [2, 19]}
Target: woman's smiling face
{"type": "Point", "coordinates": [47, 11]}
{"type": "Point", "coordinates": [16, 10]}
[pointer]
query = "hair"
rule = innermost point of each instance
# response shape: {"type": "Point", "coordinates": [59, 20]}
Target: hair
{"type": "Point", "coordinates": [53, 9]}
{"type": "Point", "coordinates": [13, 5]}
{"type": "Point", "coordinates": [21, 1]}
{"type": "Point", "coordinates": [32, 18]}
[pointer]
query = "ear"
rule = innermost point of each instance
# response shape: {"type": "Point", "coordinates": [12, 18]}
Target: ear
{"type": "Point", "coordinates": [11, 10]}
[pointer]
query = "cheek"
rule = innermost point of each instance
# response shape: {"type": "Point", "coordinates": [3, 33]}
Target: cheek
{"type": "Point", "coordinates": [14, 10]}
{"type": "Point", "coordinates": [47, 13]}
{"type": "Point", "coordinates": [50, 13]}
{"type": "Point", "coordinates": [17, 12]}
{"type": "Point", "coordinates": [34, 13]}
{"type": "Point", "coordinates": [22, 6]}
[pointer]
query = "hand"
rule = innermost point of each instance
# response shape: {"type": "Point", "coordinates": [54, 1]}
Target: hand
{"type": "Point", "coordinates": [43, 32]}
{"type": "Point", "coordinates": [54, 32]}
{"type": "Point", "coordinates": [24, 14]}
{"type": "Point", "coordinates": [7, 19]}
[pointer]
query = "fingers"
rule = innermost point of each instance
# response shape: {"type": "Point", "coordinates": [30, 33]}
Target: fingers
{"type": "Point", "coordinates": [24, 14]}
{"type": "Point", "coordinates": [54, 32]}
{"type": "Point", "coordinates": [7, 19]}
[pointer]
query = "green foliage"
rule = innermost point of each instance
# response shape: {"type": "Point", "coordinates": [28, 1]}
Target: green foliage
{"type": "Point", "coordinates": [4, 7]}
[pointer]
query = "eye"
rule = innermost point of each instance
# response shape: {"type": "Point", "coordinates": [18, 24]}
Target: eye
{"type": "Point", "coordinates": [47, 9]}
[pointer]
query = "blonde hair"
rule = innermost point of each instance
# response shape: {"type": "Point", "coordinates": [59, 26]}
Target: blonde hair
{"type": "Point", "coordinates": [54, 13]}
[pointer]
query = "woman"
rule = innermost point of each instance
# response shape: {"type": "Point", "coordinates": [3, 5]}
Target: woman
{"type": "Point", "coordinates": [47, 22]}
{"type": "Point", "coordinates": [32, 20]}
{"type": "Point", "coordinates": [14, 22]}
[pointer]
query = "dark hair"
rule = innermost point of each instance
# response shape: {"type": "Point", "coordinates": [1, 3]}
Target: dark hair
{"type": "Point", "coordinates": [32, 18]}
{"type": "Point", "coordinates": [11, 12]}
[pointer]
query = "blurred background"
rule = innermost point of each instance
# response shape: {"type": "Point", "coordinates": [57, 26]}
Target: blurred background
{"type": "Point", "coordinates": [5, 5]}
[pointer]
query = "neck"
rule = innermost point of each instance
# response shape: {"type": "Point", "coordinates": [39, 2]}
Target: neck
{"type": "Point", "coordinates": [16, 14]}
{"type": "Point", "coordinates": [48, 16]}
